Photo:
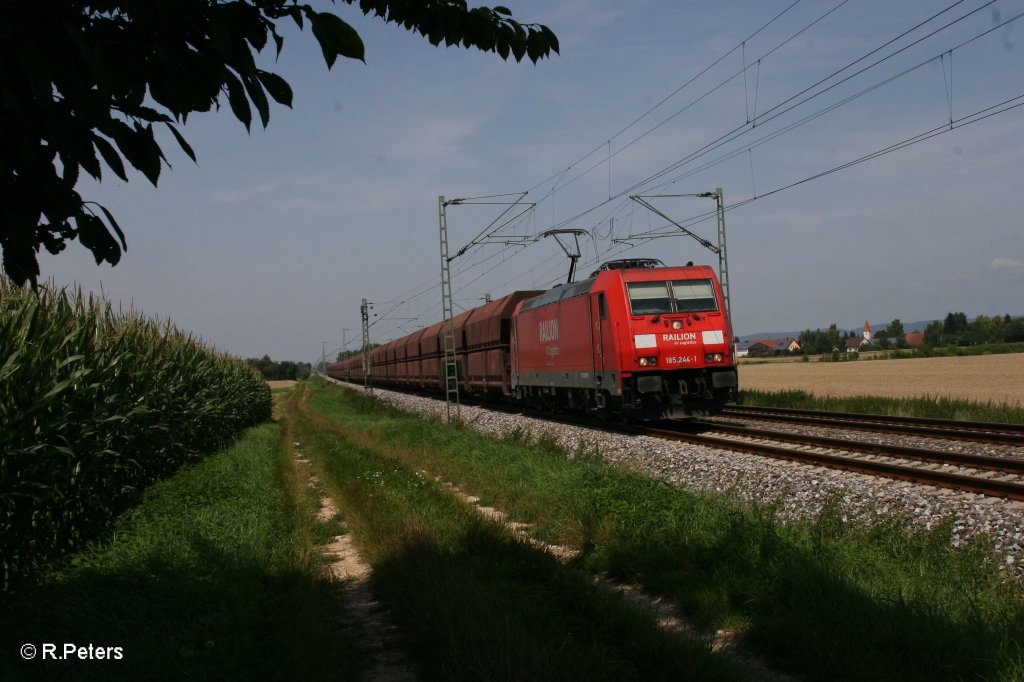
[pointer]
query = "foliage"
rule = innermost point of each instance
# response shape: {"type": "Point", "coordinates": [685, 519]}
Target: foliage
{"type": "Point", "coordinates": [818, 342]}
{"type": "Point", "coordinates": [94, 407]}
{"type": "Point", "coordinates": [345, 354]}
{"type": "Point", "coordinates": [893, 335]}
{"type": "Point", "coordinates": [285, 369]}
{"type": "Point", "coordinates": [85, 82]}
{"type": "Point", "coordinates": [955, 330]}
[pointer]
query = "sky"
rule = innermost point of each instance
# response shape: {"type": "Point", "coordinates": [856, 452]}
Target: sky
{"type": "Point", "coordinates": [270, 242]}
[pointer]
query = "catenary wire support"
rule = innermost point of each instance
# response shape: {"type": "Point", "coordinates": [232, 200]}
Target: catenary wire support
{"type": "Point", "coordinates": [486, 236]}
{"type": "Point", "coordinates": [723, 258]}
{"type": "Point", "coordinates": [344, 349]}
{"type": "Point", "coordinates": [719, 250]}
{"type": "Point", "coordinates": [364, 310]}
{"type": "Point", "coordinates": [451, 367]}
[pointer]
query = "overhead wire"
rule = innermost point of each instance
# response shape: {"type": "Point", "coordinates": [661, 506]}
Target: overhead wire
{"type": "Point", "coordinates": [744, 128]}
{"type": "Point", "coordinates": [691, 103]}
{"type": "Point", "coordinates": [775, 134]}
{"type": "Point", "coordinates": [558, 176]}
{"type": "Point", "coordinates": [756, 121]}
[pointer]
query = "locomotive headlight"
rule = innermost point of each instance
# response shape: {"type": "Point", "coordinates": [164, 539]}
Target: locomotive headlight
{"type": "Point", "coordinates": [649, 361]}
{"type": "Point", "coordinates": [713, 357]}
{"type": "Point", "coordinates": [677, 324]}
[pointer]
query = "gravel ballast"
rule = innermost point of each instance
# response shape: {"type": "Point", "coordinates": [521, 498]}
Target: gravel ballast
{"type": "Point", "coordinates": [799, 491]}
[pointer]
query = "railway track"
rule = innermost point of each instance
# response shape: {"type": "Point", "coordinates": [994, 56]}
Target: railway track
{"type": "Point", "coordinates": [976, 432]}
{"type": "Point", "coordinates": [992, 476]}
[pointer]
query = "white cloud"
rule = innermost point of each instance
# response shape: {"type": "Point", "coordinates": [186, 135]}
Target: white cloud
{"type": "Point", "coordinates": [1007, 265]}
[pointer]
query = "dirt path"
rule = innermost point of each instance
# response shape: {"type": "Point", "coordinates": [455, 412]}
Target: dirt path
{"type": "Point", "coordinates": [368, 623]}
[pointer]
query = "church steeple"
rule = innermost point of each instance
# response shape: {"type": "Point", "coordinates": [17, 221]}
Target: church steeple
{"type": "Point", "coordinates": [867, 331]}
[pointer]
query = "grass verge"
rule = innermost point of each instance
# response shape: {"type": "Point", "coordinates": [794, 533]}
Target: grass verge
{"type": "Point", "coordinates": [474, 602]}
{"type": "Point", "coordinates": [933, 408]}
{"type": "Point", "coordinates": [215, 575]}
{"type": "Point", "coordinates": [826, 598]}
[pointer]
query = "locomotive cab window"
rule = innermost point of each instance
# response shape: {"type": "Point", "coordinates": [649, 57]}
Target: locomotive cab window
{"type": "Point", "coordinates": [694, 295]}
{"type": "Point", "coordinates": [649, 298]}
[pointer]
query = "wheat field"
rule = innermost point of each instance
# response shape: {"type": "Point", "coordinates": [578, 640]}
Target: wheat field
{"type": "Point", "coordinates": [982, 378]}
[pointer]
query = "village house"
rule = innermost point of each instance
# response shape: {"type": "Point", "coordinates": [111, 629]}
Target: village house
{"type": "Point", "coordinates": [761, 347]}
{"type": "Point", "coordinates": [914, 338]}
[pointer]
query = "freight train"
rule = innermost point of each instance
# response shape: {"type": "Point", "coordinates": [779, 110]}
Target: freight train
{"type": "Point", "coordinates": [636, 340]}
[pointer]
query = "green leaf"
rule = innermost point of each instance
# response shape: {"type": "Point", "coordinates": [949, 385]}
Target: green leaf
{"type": "Point", "coordinates": [238, 101]}
{"type": "Point", "coordinates": [535, 46]}
{"type": "Point", "coordinates": [111, 156]}
{"type": "Point", "coordinates": [506, 36]}
{"type": "Point", "coordinates": [550, 37]}
{"type": "Point", "coordinates": [71, 173]}
{"type": "Point", "coordinates": [277, 87]}
{"type": "Point", "coordinates": [185, 147]}
{"type": "Point", "coordinates": [138, 146]}
{"type": "Point", "coordinates": [258, 97]}
{"type": "Point", "coordinates": [336, 38]}
{"type": "Point", "coordinates": [519, 46]}
{"type": "Point", "coordinates": [93, 235]}
{"type": "Point", "coordinates": [296, 14]}
{"type": "Point", "coordinates": [113, 224]}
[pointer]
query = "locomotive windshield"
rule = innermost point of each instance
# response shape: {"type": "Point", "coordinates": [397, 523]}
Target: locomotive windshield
{"type": "Point", "coordinates": [694, 295]}
{"type": "Point", "coordinates": [679, 296]}
{"type": "Point", "coordinates": [649, 298]}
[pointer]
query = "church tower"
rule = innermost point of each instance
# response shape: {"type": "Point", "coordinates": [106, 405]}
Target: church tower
{"type": "Point", "coordinates": [867, 331]}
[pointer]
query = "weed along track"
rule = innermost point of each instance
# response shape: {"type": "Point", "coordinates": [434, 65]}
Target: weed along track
{"type": "Point", "coordinates": [492, 549]}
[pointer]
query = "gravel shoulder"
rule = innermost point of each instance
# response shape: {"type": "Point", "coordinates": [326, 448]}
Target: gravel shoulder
{"type": "Point", "coordinates": [797, 490]}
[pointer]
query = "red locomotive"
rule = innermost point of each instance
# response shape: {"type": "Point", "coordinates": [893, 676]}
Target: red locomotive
{"type": "Point", "coordinates": [636, 339]}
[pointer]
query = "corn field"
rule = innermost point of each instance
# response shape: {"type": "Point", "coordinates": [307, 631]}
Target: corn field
{"type": "Point", "coordinates": [94, 406]}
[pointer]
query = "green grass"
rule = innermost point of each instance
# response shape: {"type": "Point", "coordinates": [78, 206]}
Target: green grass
{"type": "Point", "coordinates": [474, 602]}
{"type": "Point", "coordinates": [935, 408]}
{"type": "Point", "coordinates": [827, 599]}
{"type": "Point", "coordinates": [215, 575]}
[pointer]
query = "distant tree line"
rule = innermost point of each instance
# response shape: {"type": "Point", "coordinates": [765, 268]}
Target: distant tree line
{"type": "Point", "coordinates": [349, 353]}
{"type": "Point", "coordinates": [286, 369]}
{"type": "Point", "coordinates": [818, 342]}
{"type": "Point", "coordinates": [955, 330]}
